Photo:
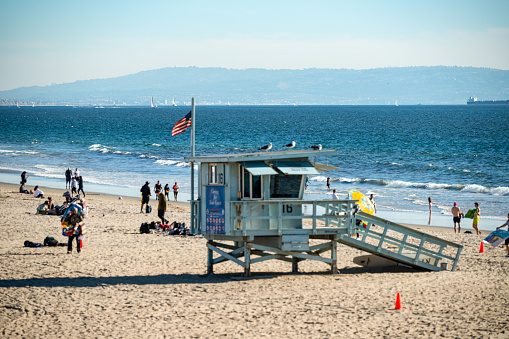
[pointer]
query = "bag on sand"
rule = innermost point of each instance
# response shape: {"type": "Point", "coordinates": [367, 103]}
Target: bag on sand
{"type": "Point", "coordinates": [148, 209]}
{"type": "Point", "coordinates": [144, 228]}
{"type": "Point", "coordinates": [29, 243]}
{"type": "Point", "coordinates": [50, 241]}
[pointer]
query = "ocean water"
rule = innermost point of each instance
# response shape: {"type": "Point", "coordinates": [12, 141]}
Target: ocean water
{"type": "Point", "coordinates": [401, 154]}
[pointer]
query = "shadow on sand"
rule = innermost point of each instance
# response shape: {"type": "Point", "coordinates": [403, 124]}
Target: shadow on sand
{"type": "Point", "coordinates": [171, 279]}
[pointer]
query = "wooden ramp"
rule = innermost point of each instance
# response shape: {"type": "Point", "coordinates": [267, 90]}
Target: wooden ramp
{"type": "Point", "coordinates": [403, 244]}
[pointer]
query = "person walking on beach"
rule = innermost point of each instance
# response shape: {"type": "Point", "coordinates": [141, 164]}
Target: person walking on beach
{"type": "Point", "coordinates": [430, 203]}
{"type": "Point", "coordinates": [167, 191]}
{"type": "Point", "coordinates": [157, 187]}
{"type": "Point", "coordinates": [76, 173]}
{"type": "Point", "coordinates": [328, 183]}
{"type": "Point", "coordinates": [307, 182]}
{"type": "Point", "coordinates": [74, 187]}
{"type": "Point", "coordinates": [80, 185]}
{"type": "Point", "coordinates": [176, 188]}
{"type": "Point", "coordinates": [74, 220]}
{"type": "Point", "coordinates": [161, 208]}
{"type": "Point", "coordinates": [145, 195]}
{"type": "Point", "coordinates": [456, 217]}
{"type": "Point", "coordinates": [372, 199]}
{"type": "Point", "coordinates": [475, 223]}
{"type": "Point", "coordinates": [506, 243]}
{"type": "Point", "coordinates": [68, 175]}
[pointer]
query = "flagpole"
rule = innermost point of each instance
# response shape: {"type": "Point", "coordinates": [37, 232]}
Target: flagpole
{"type": "Point", "coordinates": [192, 166]}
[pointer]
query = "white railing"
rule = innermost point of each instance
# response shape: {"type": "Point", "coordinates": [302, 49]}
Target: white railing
{"type": "Point", "coordinates": [312, 216]}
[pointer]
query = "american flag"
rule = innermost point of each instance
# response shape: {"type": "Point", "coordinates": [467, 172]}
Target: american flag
{"type": "Point", "coordinates": [181, 125]}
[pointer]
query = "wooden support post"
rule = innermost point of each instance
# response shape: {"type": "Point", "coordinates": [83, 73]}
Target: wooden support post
{"type": "Point", "coordinates": [210, 258]}
{"type": "Point", "coordinates": [247, 259]}
{"type": "Point", "coordinates": [295, 265]}
{"type": "Point", "coordinates": [334, 257]}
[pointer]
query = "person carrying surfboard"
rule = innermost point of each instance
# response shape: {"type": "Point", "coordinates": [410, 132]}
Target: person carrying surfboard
{"type": "Point", "coordinates": [475, 223]}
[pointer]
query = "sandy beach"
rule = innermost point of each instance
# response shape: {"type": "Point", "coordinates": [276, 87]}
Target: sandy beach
{"type": "Point", "coordinates": [125, 285]}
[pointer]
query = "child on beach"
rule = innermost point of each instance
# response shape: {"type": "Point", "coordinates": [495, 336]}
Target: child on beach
{"type": "Point", "coordinates": [74, 187]}
{"type": "Point", "coordinates": [167, 191]}
{"type": "Point", "coordinates": [506, 243]}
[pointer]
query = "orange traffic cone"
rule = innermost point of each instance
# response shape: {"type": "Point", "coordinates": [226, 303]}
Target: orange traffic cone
{"type": "Point", "coordinates": [398, 302]}
{"type": "Point", "coordinates": [481, 249]}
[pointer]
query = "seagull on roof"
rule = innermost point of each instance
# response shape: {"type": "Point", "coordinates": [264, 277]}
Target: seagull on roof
{"type": "Point", "coordinates": [292, 145]}
{"type": "Point", "coordinates": [266, 147]}
{"type": "Point", "coordinates": [316, 147]}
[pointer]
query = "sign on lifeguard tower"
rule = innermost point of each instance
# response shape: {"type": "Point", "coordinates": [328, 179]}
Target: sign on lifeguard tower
{"type": "Point", "coordinates": [215, 212]}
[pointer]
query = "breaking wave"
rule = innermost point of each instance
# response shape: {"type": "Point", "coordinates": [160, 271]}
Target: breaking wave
{"type": "Point", "coordinates": [500, 191]}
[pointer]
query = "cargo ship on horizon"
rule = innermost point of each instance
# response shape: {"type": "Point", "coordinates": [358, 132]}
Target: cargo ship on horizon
{"type": "Point", "coordinates": [474, 101]}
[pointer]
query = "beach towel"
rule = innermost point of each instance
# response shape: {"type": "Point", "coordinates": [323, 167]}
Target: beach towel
{"type": "Point", "coordinates": [470, 214]}
{"type": "Point", "coordinates": [495, 238]}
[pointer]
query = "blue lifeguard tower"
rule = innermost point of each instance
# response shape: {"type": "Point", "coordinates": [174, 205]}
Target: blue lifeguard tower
{"type": "Point", "coordinates": [251, 204]}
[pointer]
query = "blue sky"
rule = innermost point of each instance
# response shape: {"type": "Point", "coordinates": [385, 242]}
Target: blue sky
{"type": "Point", "coordinates": [45, 42]}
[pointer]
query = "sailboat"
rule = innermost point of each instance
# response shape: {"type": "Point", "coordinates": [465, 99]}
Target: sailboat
{"type": "Point", "coordinates": [228, 104]}
{"type": "Point", "coordinates": [17, 104]}
{"type": "Point", "coordinates": [152, 103]}
{"type": "Point", "coordinates": [173, 102]}
{"type": "Point", "coordinates": [396, 103]}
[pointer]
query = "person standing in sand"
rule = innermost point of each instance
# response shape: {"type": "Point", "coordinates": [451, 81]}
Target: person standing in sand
{"type": "Point", "coordinates": [506, 243]}
{"type": "Point", "coordinates": [80, 185]}
{"type": "Point", "coordinates": [145, 195]}
{"type": "Point", "coordinates": [475, 223]}
{"type": "Point", "coordinates": [372, 199]}
{"type": "Point", "coordinates": [74, 187]}
{"type": "Point", "coordinates": [24, 178]}
{"type": "Point", "coordinates": [74, 220]}
{"type": "Point", "coordinates": [68, 175]}
{"type": "Point", "coordinates": [157, 187]}
{"type": "Point", "coordinates": [161, 208]}
{"type": "Point", "coordinates": [176, 188]}
{"type": "Point", "coordinates": [167, 191]}
{"type": "Point", "coordinates": [456, 217]}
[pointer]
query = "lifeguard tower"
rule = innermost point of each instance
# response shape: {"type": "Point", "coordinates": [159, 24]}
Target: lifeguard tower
{"type": "Point", "coordinates": [252, 204]}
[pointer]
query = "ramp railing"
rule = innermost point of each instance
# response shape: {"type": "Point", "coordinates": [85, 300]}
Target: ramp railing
{"type": "Point", "coordinates": [403, 244]}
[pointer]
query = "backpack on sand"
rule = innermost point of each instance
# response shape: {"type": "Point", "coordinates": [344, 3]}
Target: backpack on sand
{"type": "Point", "coordinates": [144, 228]}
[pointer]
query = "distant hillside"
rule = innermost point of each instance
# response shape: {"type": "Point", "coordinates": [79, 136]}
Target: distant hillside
{"type": "Point", "coordinates": [381, 86]}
